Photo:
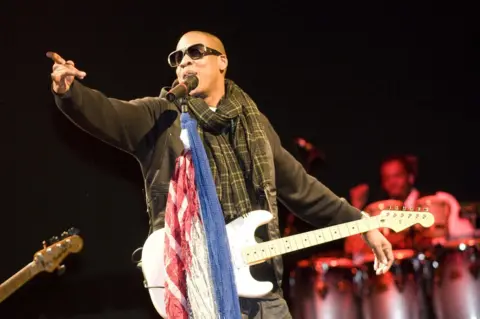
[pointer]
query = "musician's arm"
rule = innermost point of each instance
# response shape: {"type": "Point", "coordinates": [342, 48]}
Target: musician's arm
{"type": "Point", "coordinates": [457, 226]}
{"type": "Point", "coordinates": [127, 125]}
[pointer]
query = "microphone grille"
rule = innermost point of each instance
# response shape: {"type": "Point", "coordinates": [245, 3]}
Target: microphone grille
{"type": "Point", "coordinates": [192, 82]}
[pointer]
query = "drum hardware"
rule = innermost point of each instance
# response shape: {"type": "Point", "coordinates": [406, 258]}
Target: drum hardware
{"type": "Point", "coordinates": [320, 284]}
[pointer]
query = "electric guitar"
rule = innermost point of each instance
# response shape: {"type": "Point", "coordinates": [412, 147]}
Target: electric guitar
{"type": "Point", "coordinates": [48, 259]}
{"type": "Point", "coordinates": [246, 251]}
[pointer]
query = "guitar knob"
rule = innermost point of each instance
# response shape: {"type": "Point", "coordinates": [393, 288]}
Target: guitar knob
{"type": "Point", "coordinates": [61, 270]}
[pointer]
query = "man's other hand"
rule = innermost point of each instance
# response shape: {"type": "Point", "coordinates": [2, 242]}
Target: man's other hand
{"type": "Point", "coordinates": [382, 249]}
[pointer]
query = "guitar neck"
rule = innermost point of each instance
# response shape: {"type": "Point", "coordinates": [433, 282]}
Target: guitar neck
{"type": "Point", "coordinates": [13, 283]}
{"type": "Point", "coordinates": [272, 248]}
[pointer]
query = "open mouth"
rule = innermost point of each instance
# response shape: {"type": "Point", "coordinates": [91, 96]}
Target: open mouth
{"type": "Point", "coordinates": [188, 73]}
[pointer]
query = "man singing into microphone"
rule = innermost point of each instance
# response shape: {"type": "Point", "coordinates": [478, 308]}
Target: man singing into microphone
{"type": "Point", "coordinates": [149, 129]}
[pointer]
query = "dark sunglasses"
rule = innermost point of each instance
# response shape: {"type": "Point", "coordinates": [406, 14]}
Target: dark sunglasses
{"type": "Point", "coordinates": [195, 52]}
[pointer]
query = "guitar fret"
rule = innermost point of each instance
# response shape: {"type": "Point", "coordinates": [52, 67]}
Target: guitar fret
{"type": "Point", "coordinates": [363, 225]}
{"type": "Point", "coordinates": [312, 238]}
{"type": "Point", "coordinates": [280, 246]}
{"type": "Point", "coordinates": [327, 235]}
{"type": "Point", "coordinates": [343, 230]}
{"type": "Point", "coordinates": [294, 241]}
{"type": "Point", "coordinates": [334, 232]}
{"type": "Point", "coordinates": [319, 237]}
{"type": "Point", "coordinates": [299, 241]}
{"type": "Point", "coordinates": [262, 252]}
{"type": "Point", "coordinates": [287, 244]}
{"type": "Point", "coordinates": [271, 250]}
{"type": "Point", "coordinates": [353, 228]}
{"type": "Point", "coordinates": [253, 255]}
{"type": "Point", "coordinates": [306, 240]}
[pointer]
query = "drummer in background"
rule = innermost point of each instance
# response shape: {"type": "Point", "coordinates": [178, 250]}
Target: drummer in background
{"type": "Point", "coordinates": [397, 175]}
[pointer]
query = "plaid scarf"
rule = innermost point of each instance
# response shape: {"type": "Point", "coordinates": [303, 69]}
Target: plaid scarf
{"type": "Point", "coordinates": [236, 146]}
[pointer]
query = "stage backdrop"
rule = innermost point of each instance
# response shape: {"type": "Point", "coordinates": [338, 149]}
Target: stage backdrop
{"type": "Point", "coordinates": [357, 81]}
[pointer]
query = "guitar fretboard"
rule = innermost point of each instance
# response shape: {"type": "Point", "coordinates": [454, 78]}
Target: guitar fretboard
{"type": "Point", "coordinates": [18, 280]}
{"type": "Point", "coordinates": [269, 249]}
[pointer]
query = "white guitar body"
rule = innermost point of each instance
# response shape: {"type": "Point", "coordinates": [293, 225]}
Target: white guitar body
{"type": "Point", "coordinates": [243, 246]}
{"type": "Point", "coordinates": [240, 232]}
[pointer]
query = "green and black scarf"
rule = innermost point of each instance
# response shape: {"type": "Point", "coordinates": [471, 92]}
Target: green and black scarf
{"type": "Point", "coordinates": [236, 146]}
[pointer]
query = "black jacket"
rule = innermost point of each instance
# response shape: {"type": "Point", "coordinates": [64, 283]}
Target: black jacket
{"type": "Point", "coordinates": [149, 129]}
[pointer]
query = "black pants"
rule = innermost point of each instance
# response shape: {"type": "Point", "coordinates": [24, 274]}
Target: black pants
{"type": "Point", "coordinates": [272, 306]}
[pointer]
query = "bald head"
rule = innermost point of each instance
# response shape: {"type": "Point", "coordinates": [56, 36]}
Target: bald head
{"type": "Point", "coordinates": [206, 38]}
{"type": "Point", "coordinates": [209, 67]}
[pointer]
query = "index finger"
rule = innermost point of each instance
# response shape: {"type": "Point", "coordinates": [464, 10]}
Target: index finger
{"type": "Point", "coordinates": [381, 259]}
{"type": "Point", "coordinates": [390, 256]}
{"type": "Point", "coordinates": [55, 57]}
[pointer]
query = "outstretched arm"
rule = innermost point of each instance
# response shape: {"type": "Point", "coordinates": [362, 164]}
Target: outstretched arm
{"type": "Point", "coordinates": [128, 125]}
{"type": "Point", "coordinates": [312, 201]}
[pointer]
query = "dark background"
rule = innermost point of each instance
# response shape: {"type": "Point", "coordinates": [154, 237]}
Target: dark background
{"type": "Point", "coordinates": [357, 80]}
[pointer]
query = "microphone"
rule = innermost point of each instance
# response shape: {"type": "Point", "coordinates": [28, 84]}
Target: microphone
{"type": "Point", "coordinates": [182, 89]}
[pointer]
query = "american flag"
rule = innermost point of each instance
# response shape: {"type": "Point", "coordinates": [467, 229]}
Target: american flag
{"type": "Point", "coordinates": [187, 286]}
{"type": "Point", "coordinates": [199, 279]}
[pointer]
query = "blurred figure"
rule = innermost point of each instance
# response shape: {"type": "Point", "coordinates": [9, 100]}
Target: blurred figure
{"type": "Point", "coordinates": [397, 178]}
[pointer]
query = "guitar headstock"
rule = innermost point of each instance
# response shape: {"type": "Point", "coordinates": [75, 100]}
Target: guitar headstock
{"type": "Point", "coordinates": [399, 219]}
{"type": "Point", "coordinates": [57, 249]}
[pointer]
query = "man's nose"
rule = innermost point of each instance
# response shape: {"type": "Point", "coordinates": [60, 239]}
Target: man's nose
{"type": "Point", "coordinates": [186, 60]}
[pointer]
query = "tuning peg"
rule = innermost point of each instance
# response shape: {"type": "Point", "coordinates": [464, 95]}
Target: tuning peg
{"type": "Point", "coordinates": [390, 207]}
{"type": "Point", "coordinates": [44, 244]}
{"type": "Point", "coordinates": [404, 208]}
{"type": "Point", "coordinates": [419, 209]}
{"type": "Point", "coordinates": [426, 209]}
{"type": "Point", "coordinates": [411, 209]}
{"type": "Point", "coordinates": [53, 240]}
{"type": "Point", "coordinates": [73, 231]}
{"type": "Point", "coordinates": [396, 207]}
{"type": "Point", "coordinates": [61, 270]}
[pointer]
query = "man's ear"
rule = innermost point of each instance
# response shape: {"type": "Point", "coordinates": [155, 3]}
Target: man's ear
{"type": "Point", "coordinates": [222, 63]}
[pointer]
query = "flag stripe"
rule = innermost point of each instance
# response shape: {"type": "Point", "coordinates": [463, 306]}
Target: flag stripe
{"type": "Point", "coordinates": [189, 288]}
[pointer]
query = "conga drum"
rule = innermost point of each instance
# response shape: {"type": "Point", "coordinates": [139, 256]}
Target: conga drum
{"type": "Point", "coordinates": [398, 240]}
{"type": "Point", "coordinates": [455, 285]}
{"type": "Point", "coordinates": [324, 288]}
{"type": "Point", "coordinates": [397, 294]}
